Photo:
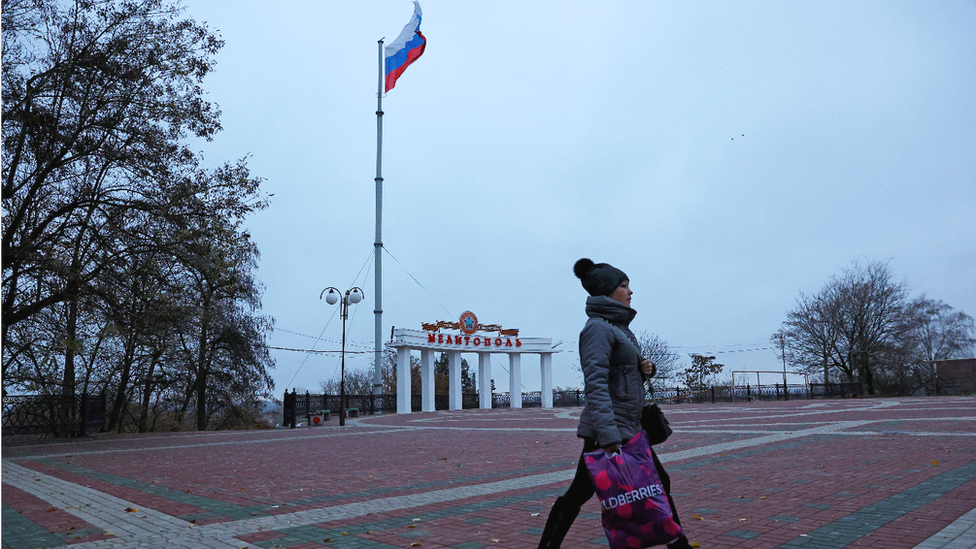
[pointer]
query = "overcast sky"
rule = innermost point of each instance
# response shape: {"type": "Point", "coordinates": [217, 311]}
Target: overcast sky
{"type": "Point", "coordinates": [725, 155]}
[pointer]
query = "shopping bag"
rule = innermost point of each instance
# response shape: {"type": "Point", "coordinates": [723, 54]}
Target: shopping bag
{"type": "Point", "coordinates": [635, 508]}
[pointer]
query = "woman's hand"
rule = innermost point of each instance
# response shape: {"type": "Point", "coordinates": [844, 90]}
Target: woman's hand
{"type": "Point", "coordinates": [612, 448]}
{"type": "Point", "coordinates": [648, 367]}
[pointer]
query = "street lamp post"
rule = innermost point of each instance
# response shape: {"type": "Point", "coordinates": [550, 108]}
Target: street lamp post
{"type": "Point", "coordinates": [353, 295]}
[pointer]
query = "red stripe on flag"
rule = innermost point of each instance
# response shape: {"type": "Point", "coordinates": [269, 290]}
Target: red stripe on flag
{"type": "Point", "coordinates": [412, 56]}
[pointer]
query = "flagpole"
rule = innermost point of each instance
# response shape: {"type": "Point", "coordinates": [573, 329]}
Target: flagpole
{"type": "Point", "coordinates": [378, 244]}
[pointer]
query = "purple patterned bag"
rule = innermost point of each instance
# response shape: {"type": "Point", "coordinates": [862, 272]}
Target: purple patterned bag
{"type": "Point", "coordinates": [635, 508]}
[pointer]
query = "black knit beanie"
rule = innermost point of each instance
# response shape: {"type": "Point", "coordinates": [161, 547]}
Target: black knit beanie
{"type": "Point", "coordinates": [598, 278]}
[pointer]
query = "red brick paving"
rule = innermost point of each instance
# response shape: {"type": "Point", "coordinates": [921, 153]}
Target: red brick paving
{"type": "Point", "coordinates": [781, 490]}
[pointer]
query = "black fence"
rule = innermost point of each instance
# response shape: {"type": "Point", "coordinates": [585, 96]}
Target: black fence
{"type": "Point", "coordinates": [833, 390]}
{"type": "Point", "coordinates": [737, 393]}
{"type": "Point", "coordinates": [298, 406]}
{"type": "Point", "coordinates": [53, 415]}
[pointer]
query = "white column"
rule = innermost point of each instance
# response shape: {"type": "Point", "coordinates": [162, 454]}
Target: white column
{"type": "Point", "coordinates": [426, 380]}
{"type": "Point", "coordinates": [454, 380]}
{"type": "Point", "coordinates": [545, 364]}
{"type": "Point", "coordinates": [484, 380]}
{"type": "Point", "coordinates": [403, 380]}
{"type": "Point", "coordinates": [515, 379]}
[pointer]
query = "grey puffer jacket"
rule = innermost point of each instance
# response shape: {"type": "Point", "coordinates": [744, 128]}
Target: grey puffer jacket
{"type": "Point", "coordinates": [614, 384]}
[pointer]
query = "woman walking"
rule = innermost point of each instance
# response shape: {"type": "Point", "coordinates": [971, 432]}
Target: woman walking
{"type": "Point", "coordinates": [614, 374]}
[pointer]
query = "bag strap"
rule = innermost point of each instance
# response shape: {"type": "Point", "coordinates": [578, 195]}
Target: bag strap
{"type": "Point", "coordinates": [640, 353]}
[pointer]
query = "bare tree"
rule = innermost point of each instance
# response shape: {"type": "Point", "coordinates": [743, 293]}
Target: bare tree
{"type": "Point", "coordinates": [659, 352]}
{"type": "Point", "coordinates": [936, 331]}
{"type": "Point", "coordinates": [358, 382]}
{"type": "Point", "coordinates": [933, 331]}
{"type": "Point", "coordinates": [125, 262]}
{"type": "Point", "coordinates": [853, 324]}
{"type": "Point", "coordinates": [871, 307]}
{"type": "Point", "coordinates": [811, 336]}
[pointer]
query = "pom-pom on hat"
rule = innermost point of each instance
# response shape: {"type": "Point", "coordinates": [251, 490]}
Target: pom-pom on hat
{"type": "Point", "coordinates": [598, 278]}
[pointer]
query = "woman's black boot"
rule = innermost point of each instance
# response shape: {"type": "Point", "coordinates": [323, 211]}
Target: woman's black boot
{"type": "Point", "coordinates": [561, 517]}
{"type": "Point", "coordinates": [681, 543]}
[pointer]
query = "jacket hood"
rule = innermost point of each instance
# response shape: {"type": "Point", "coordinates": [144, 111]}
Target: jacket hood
{"type": "Point", "coordinates": [609, 309]}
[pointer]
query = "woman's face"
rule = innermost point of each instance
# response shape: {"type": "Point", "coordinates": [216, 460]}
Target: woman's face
{"type": "Point", "coordinates": [622, 293]}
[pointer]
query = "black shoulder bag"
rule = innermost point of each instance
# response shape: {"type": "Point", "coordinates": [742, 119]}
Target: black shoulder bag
{"type": "Point", "coordinates": [657, 427]}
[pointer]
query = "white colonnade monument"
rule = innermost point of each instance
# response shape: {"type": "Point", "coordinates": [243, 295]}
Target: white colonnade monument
{"type": "Point", "coordinates": [467, 336]}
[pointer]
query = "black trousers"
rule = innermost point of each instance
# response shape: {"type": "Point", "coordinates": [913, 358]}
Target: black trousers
{"type": "Point", "coordinates": [581, 489]}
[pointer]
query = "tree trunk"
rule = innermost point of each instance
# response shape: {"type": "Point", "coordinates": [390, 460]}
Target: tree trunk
{"type": "Point", "coordinates": [203, 366]}
{"type": "Point", "coordinates": [70, 347]}
{"type": "Point", "coordinates": [147, 390]}
{"type": "Point", "coordinates": [201, 401]}
{"type": "Point", "coordinates": [121, 400]}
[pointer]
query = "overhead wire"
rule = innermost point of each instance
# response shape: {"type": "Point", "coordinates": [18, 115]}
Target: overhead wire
{"type": "Point", "coordinates": [367, 266]}
{"type": "Point", "coordinates": [309, 352]}
{"type": "Point", "coordinates": [450, 314]}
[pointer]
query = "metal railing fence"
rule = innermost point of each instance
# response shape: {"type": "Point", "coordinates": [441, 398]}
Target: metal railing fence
{"type": "Point", "coordinates": [53, 415]}
{"type": "Point", "coordinates": [298, 406]}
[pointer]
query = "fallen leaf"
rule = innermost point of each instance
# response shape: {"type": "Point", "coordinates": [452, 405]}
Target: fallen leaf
{"type": "Point", "coordinates": [415, 544]}
{"type": "Point", "coordinates": [935, 462]}
{"type": "Point", "coordinates": [131, 510]}
{"type": "Point", "coordinates": [326, 540]}
{"type": "Point", "coordinates": [696, 544]}
{"type": "Point", "coordinates": [764, 497]}
{"type": "Point", "coordinates": [53, 509]}
{"type": "Point", "coordinates": [412, 526]}
{"type": "Point", "coordinates": [698, 517]}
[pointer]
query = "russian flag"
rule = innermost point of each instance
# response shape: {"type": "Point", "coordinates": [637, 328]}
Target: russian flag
{"type": "Point", "coordinates": [407, 48]}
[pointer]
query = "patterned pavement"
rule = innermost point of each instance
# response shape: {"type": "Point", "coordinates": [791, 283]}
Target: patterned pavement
{"type": "Point", "coordinates": [884, 473]}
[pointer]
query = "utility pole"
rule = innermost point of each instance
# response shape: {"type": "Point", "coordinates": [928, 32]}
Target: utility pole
{"type": "Point", "coordinates": [782, 352]}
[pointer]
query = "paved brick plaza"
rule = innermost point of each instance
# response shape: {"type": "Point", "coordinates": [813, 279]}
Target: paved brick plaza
{"type": "Point", "coordinates": [883, 473]}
